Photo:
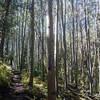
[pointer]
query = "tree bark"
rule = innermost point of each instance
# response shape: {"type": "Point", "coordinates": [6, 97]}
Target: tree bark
{"type": "Point", "coordinates": [50, 48]}
{"type": "Point", "coordinates": [32, 46]}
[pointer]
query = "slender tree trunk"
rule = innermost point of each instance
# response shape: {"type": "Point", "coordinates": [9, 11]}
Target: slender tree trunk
{"type": "Point", "coordinates": [76, 49]}
{"type": "Point", "coordinates": [7, 46]}
{"type": "Point", "coordinates": [89, 67]}
{"type": "Point", "coordinates": [73, 40]}
{"type": "Point", "coordinates": [43, 74]}
{"type": "Point", "coordinates": [32, 45]}
{"type": "Point", "coordinates": [19, 47]}
{"type": "Point", "coordinates": [64, 42]}
{"type": "Point", "coordinates": [28, 52]}
{"type": "Point", "coordinates": [82, 55]}
{"type": "Point", "coordinates": [23, 41]}
{"type": "Point", "coordinates": [50, 48]}
{"type": "Point", "coordinates": [57, 43]}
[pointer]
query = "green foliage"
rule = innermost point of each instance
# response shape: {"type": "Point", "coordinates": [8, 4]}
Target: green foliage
{"type": "Point", "coordinates": [25, 77]}
{"type": "Point", "coordinates": [74, 93]}
{"type": "Point", "coordinates": [5, 74]}
{"type": "Point", "coordinates": [37, 94]}
{"type": "Point", "coordinates": [37, 70]}
{"type": "Point", "coordinates": [39, 90]}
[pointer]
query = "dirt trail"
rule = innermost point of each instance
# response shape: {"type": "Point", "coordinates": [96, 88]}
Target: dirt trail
{"type": "Point", "coordinates": [16, 90]}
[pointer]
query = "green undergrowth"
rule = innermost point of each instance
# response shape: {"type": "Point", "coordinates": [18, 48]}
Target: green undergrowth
{"type": "Point", "coordinates": [5, 74]}
{"type": "Point", "coordinates": [76, 93]}
{"type": "Point", "coordinates": [39, 90]}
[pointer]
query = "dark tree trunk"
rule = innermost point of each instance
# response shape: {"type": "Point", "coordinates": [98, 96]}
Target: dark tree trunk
{"type": "Point", "coordinates": [4, 29]}
{"type": "Point", "coordinates": [50, 48]}
{"type": "Point", "coordinates": [32, 45]}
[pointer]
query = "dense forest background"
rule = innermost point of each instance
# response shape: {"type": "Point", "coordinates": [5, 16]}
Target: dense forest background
{"type": "Point", "coordinates": [55, 44]}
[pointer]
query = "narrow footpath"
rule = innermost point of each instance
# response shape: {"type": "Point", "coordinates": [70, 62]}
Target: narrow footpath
{"type": "Point", "coordinates": [16, 89]}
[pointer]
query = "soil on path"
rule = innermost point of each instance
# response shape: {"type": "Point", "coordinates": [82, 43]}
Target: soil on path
{"type": "Point", "coordinates": [16, 90]}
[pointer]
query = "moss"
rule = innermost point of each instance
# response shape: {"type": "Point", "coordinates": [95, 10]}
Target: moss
{"type": "Point", "coordinates": [5, 74]}
{"type": "Point", "coordinates": [36, 93]}
{"type": "Point", "coordinates": [25, 77]}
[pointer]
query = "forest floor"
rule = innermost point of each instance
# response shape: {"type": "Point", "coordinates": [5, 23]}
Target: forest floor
{"type": "Point", "coordinates": [16, 90]}
{"type": "Point", "coordinates": [14, 86]}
